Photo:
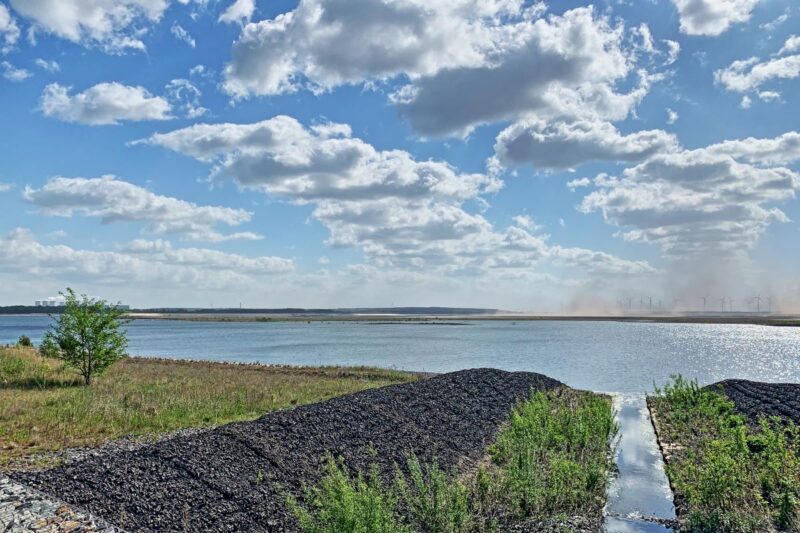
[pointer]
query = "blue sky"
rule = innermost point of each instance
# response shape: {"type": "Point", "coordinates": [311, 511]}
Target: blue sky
{"type": "Point", "coordinates": [555, 157]}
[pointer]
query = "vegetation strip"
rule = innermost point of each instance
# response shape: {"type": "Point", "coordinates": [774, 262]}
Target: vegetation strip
{"type": "Point", "coordinates": [549, 462]}
{"type": "Point", "coordinates": [728, 473]}
{"type": "Point", "coordinates": [45, 407]}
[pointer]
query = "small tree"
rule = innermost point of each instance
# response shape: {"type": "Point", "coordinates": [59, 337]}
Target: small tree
{"type": "Point", "coordinates": [88, 335]}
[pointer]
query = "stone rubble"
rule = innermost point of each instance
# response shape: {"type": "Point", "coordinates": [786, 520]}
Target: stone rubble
{"type": "Point", "coordinates": [25, 509]}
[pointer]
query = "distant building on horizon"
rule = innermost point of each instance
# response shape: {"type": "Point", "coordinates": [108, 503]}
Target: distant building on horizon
{"type": "Point", "coordinates": [58, 301]}
{"type": "Point", "coordinates": [51, 301]}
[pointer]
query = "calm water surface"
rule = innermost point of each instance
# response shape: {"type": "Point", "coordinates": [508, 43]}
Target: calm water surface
{"type": "Point", "coordinates": [601, 356]}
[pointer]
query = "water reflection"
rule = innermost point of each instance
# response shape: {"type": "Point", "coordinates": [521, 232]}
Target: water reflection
{"type": "Point", "coordinates": [617, 356]}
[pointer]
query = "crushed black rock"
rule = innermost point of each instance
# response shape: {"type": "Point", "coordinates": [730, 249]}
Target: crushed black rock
{"type": "Point", "coordinates": [235, 477]}
{"type": "Point", "coordinates": [754, 398]}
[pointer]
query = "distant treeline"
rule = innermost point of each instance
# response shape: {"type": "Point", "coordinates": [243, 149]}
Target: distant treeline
{"type": "Point", "coordinates": [30, 309]}
{"type": "Point", "coordinates": [35, 309]}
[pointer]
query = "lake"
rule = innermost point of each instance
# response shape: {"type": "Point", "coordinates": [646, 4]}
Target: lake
{"type": "Point", "coordinates": [602, 356]}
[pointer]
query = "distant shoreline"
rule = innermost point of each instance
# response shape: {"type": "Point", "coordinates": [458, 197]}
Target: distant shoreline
{"type": "Point", "coordinates": [743, 319]}
{"type": "Point", "coordinates": [385, 318]}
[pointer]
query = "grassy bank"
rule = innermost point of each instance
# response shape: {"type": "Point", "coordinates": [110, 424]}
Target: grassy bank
{"type": "Point", "coordinates": [727, 475]}
{"type": "Point", "coordinates": [45, 407]}
{"type": "Point", "coordinates": [548, 467]}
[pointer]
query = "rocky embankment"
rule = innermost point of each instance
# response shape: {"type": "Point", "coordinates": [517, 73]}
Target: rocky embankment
{"type": "Point", "coordinates": [236, 477]}
{"type": "Point", "coordinates": [754, 398]}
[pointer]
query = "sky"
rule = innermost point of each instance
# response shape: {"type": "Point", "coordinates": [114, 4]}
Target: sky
{"type": "Point", "coordinates": [551, 157]}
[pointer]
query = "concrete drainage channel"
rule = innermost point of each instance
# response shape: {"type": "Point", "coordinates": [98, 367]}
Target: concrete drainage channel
{"type": "Point", "coordinates": [639, 496]}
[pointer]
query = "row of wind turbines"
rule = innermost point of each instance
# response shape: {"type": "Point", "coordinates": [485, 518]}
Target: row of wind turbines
{"type": "Point", "coordinates": [723, 304]}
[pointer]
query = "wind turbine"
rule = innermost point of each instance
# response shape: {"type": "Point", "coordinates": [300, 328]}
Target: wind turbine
{"type": "Point", "coordinates": [722, 304]}
{"type": "Point", "coordinates": [704, 298]}
{"type": "Point", "coordinates": [757, 298]}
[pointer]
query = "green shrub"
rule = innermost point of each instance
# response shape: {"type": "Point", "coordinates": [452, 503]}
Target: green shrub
{"type": "Point", "coordinates": [24, 341]}
{"type": "Point", "coordinates": [341, 503]}
{"type": "Point", "coordinates": [435, 503]}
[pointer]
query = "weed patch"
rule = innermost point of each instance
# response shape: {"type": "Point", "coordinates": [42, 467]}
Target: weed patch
{"type": "Point", "coordinates": [551, 460]}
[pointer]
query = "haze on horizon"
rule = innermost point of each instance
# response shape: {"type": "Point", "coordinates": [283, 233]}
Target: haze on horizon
{"type": "Point", "coordinates": [546, 157]}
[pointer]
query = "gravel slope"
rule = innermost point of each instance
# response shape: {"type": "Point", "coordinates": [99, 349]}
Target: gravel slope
{"type": "Point", "coordinates": [754, 398]}
{"type": "Point", "coordinates": [232, 478]}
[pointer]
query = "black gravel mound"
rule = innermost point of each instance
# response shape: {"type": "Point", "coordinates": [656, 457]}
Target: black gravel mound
{"type": "Point", "coordinates": [754, 399]}
{"type": "Point", "coordinates": [234, 478]}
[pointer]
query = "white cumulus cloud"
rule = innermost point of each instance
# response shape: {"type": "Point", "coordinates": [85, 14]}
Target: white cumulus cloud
{"type": "Point", "coordinates": [102, 104]}
{"type": "Point", "coordinates": [331, 42]}
{"type": "Point", "coordinates": [113, 25]}
{"type": "Point", "coordinates": [749, 74]}
{"type": "Point", "coordinates": [717, 199]}
{"type": "Point", "coordinates": [559, 67]}
{"type": "Point", "coordinates": [712, 17]}
{"type": "Point", "coordinates": [400, 212]}
{"type": "Point", "coordinates": [561, 145]}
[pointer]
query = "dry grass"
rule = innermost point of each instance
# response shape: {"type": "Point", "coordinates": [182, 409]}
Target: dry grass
{"type": "Point", "coordinates": [44, 407]}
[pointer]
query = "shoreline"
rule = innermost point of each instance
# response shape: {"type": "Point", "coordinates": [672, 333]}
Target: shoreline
{"type": "Point", "coordinates": [735, 319]}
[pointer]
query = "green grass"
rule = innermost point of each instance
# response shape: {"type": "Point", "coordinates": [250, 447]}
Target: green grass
{"type": "Point", "coordinates": [551, 460]}
{"type": "Point", "coordinates": [731, 477]}
{"type": "Point", "coordinates": [44, 406]}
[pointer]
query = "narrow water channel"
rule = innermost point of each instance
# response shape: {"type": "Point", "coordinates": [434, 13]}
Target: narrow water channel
{"type": "Point", "coordinates": [640, 491]}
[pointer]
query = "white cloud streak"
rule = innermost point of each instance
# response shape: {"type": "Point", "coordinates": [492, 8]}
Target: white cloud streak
{"type": "Point", "coordinates": [51, 66]}
{"type": "Point", "coordinates": [240, 12]}
{"type": "Point", "coordinates": [145, 264]}
{"type": "Point", "coordinates": [113, 200]}
{"type": "Point", "coordinates": [9, 31]}
{"type": "Point", "coordinates": [12, 73]}
{"type": "Point", "coordinates": [181, 34]}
